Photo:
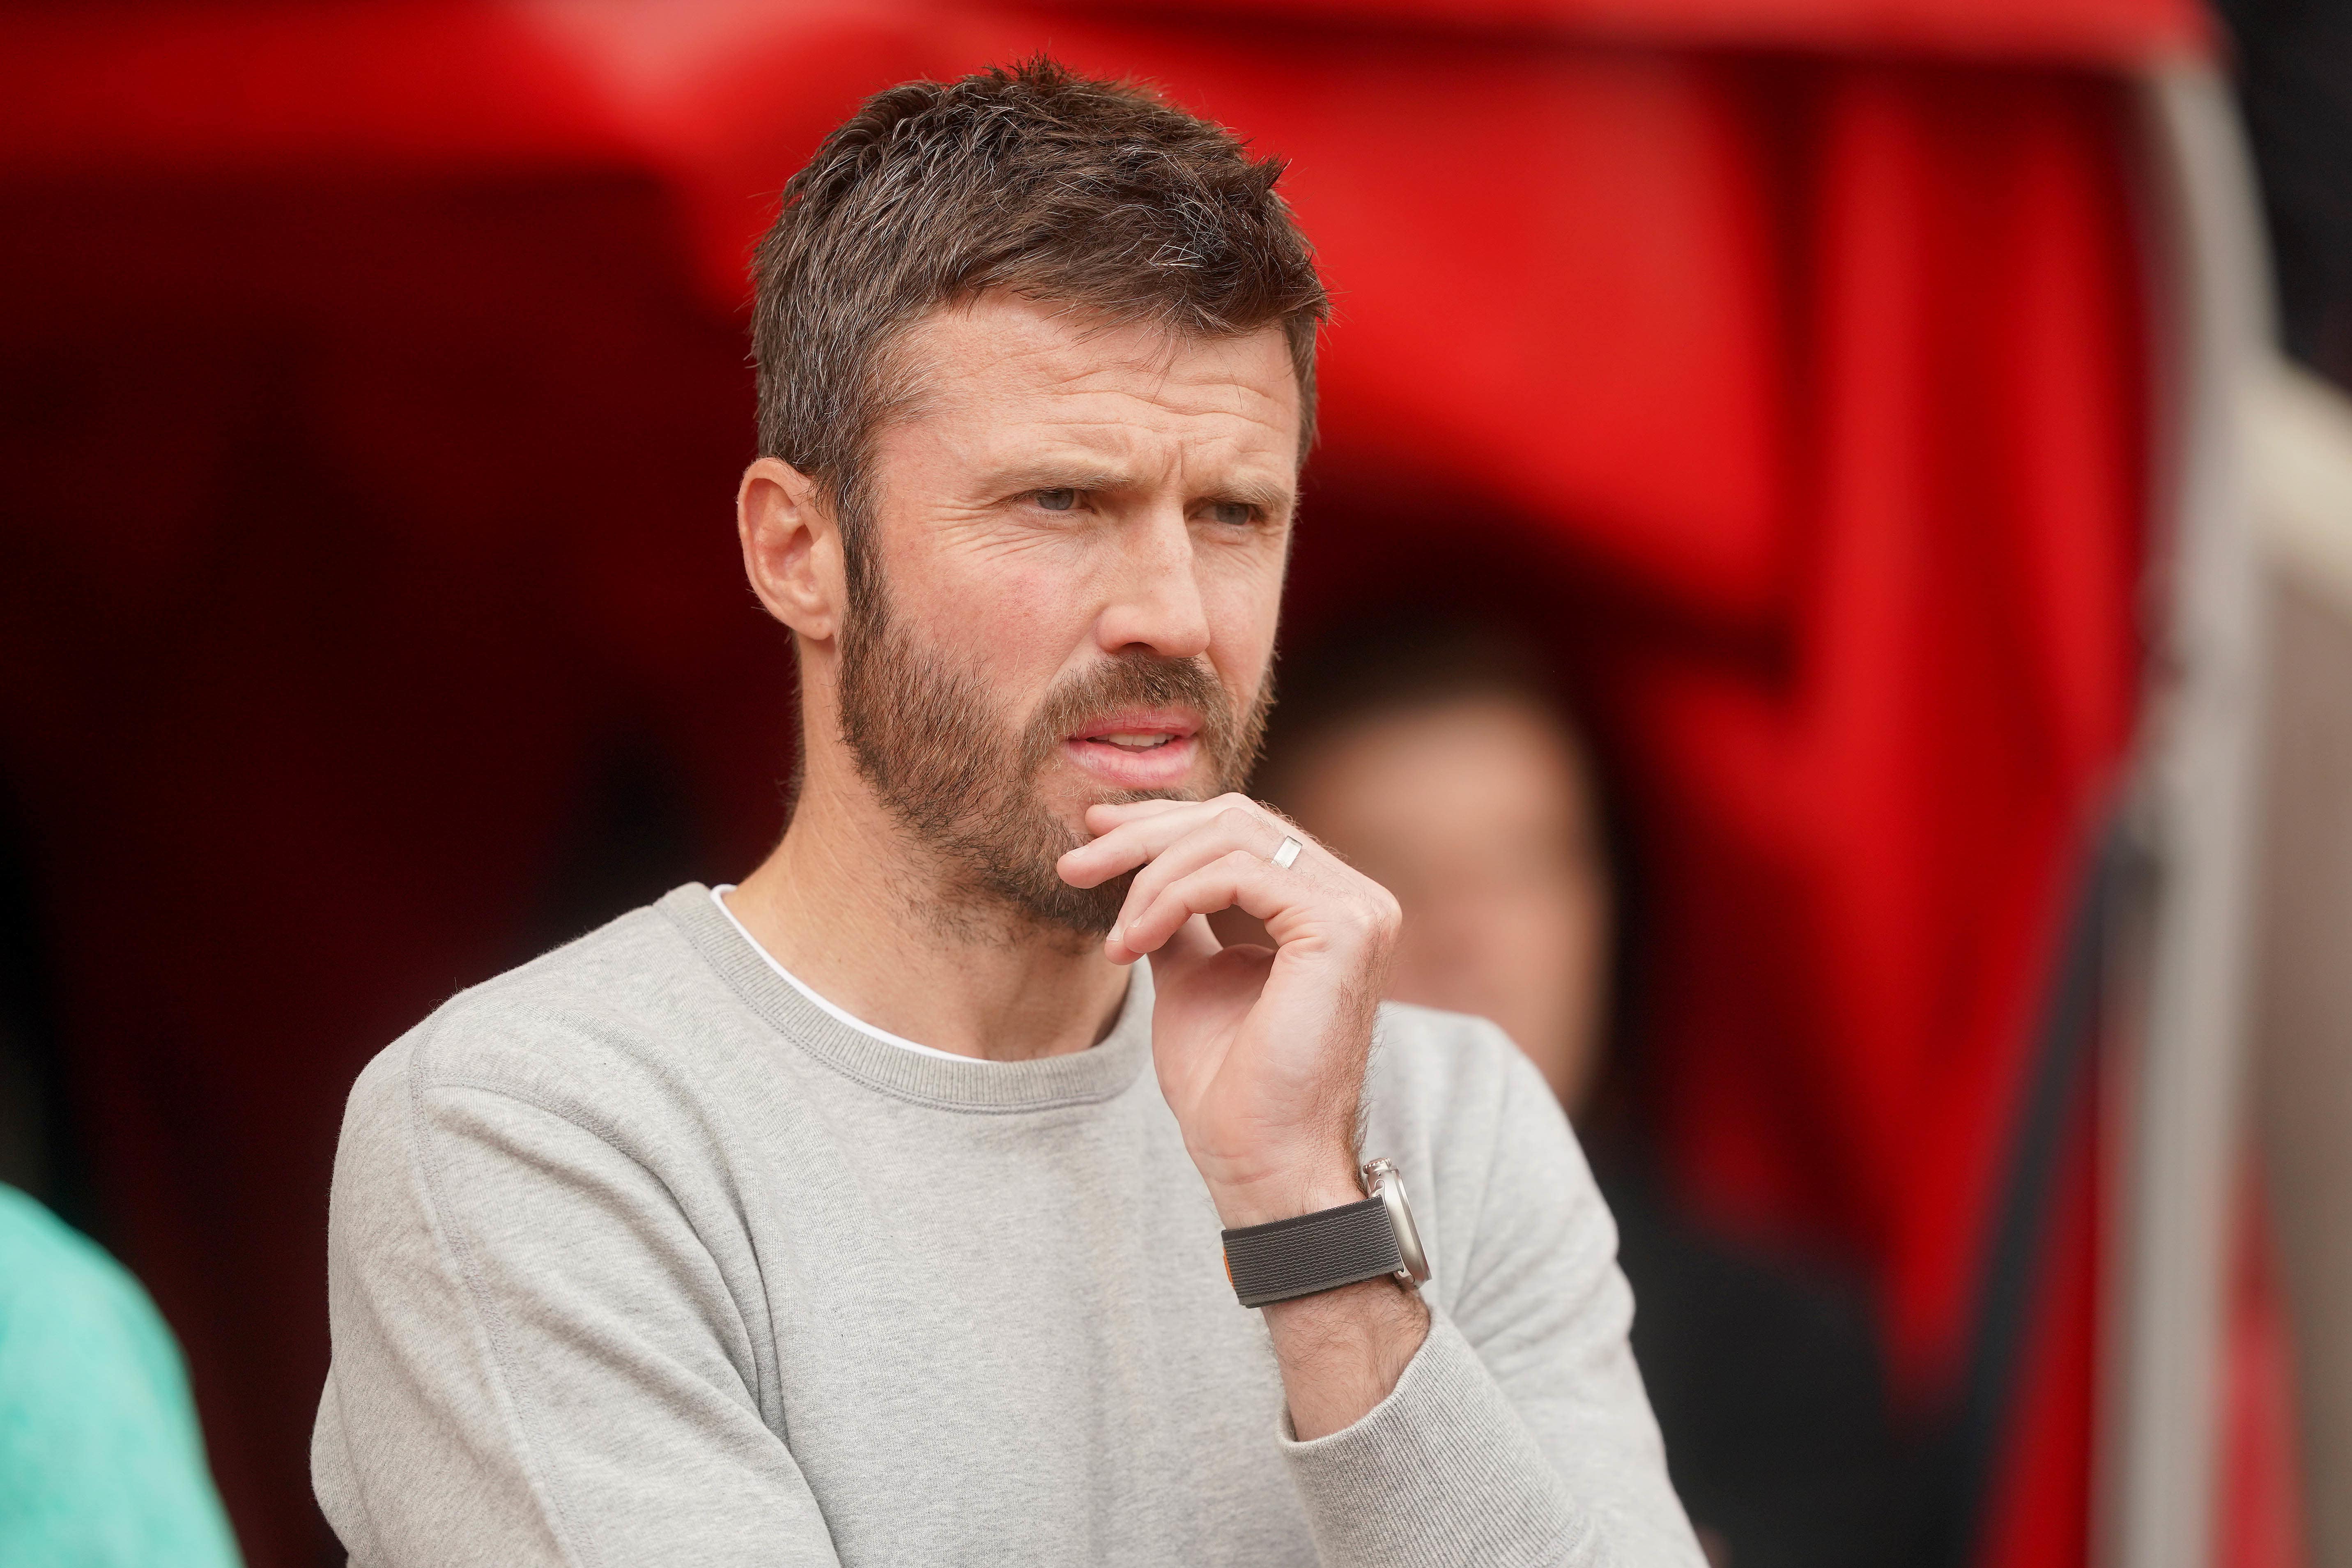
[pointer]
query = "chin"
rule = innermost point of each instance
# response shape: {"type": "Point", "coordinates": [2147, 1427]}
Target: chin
{"type": "Point", "coordinates": [1071, 806]}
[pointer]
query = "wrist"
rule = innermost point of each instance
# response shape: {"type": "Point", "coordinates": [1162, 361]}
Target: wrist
{"type": "Point", "coordinates": [1324, 1181]}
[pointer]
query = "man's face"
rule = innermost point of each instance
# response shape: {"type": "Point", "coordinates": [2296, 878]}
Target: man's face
{"type": "Point", "coordinates": [1076, 545]}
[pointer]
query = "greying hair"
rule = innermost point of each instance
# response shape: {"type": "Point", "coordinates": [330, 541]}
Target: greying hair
{"type": "Point", "coordinates": [1096, 194]}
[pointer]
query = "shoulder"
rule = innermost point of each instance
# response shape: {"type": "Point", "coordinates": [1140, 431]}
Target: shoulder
{"type": "Point", "coordinates": [69, 1313]}
{"type": "Point", "coordinates": [607, 1019]}
{"type": "Point", "coordinates": [43, 1260]}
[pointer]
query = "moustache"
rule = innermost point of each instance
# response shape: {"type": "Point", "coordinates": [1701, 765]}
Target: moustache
{"type": "Point", "coordinates": [1147, 681]}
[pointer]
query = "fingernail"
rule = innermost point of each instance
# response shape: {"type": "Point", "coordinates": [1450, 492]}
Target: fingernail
{"type": "Point", "coordinates": [1119, 931]}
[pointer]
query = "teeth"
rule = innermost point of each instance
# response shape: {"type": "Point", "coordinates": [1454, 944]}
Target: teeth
{"type": "Point", "coordinates": [1135, 742]}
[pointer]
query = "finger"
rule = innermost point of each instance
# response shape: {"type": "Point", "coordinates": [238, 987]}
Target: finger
{"type": "Point", "coordinates": [1112, 814]}
{"type": "Point", "coordinates": [1103, 817]}
{"type": "Point", "coordinates": [1235, 879]}
{"type": "Point", "coordinates": [1190, 944]}
{"type": "Point", "coordinates": [1130, 843]}
{"type": "Point", "coordinates": [1141, 839]}
{"type": "Point", "coordinates": [1236, 828]}
{"type": "Point", "coordinates": [1193, 944]}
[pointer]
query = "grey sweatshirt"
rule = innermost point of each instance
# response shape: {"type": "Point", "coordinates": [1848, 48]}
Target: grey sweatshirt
{"type": "Point", "coordinates": [637, 1255]}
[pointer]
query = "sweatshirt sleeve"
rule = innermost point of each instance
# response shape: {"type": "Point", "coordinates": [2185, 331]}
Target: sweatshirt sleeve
{"type": "Point", "coordinates": [535, 1359]}
{"type": "Point", "coordinates": [1519, 1434]}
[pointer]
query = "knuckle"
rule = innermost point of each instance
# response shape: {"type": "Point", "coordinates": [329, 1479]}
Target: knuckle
{"type": "Point", "coordinates": [1236, 818]}
{"type": "Point", "coordinates": [1376, 916]}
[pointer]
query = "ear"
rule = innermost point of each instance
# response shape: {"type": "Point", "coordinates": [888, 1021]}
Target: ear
{"type": "Point", "coordinates": [792, 549]}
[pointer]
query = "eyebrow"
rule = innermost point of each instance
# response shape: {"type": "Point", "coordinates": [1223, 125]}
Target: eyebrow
{"type": "Point", "coordinates": [1053, 476]}
{"type": "Point", "coordinates": [1266, 495]}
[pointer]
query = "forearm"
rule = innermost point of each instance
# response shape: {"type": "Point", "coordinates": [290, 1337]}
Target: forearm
{"type": "Point", "coordinates": [1342, 1352]}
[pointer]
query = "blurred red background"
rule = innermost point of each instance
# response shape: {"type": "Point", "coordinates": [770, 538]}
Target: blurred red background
{"type": "Point", "coordinates": [374, 389]}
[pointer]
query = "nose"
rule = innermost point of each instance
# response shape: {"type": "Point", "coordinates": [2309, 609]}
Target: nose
{"type": "Point", "coordinates": [1155, 600]}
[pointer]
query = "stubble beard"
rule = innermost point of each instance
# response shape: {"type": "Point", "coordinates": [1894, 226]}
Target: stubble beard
{"type": "Point", "coordinates": [962, 780]}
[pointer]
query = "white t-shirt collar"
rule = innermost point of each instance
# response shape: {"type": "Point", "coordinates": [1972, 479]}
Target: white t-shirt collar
{"type": "Point", "coordinates": [837, 1013]}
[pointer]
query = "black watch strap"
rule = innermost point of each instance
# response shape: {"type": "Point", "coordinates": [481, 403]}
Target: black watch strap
{"type": "Point", "coordinates": [1312, 1252]}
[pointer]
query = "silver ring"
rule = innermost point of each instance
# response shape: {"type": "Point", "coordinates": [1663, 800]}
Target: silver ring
{"type": "Point", "coordinates": [1286, 853]}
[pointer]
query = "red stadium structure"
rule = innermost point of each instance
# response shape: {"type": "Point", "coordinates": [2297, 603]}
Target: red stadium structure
{"type": "Point", "coordinates": [1834, 375]}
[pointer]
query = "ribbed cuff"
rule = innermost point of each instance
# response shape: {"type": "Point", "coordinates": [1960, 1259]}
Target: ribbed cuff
{"type": "Point", "coordinates": [1441, 1472]}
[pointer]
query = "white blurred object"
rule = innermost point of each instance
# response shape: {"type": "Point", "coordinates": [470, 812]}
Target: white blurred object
{"type": "Point", "coordinates": [2235, 997]}
{"type": "Point", "coordinates": [2182, 990]}
{"type": "Point", "coordinates": [2299, 438]}
{"type": "Point", "coordinates": [2299, 444]}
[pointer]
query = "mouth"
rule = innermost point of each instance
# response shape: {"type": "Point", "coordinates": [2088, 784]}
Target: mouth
{"type": "Point", "coordinates": [1137, 749]}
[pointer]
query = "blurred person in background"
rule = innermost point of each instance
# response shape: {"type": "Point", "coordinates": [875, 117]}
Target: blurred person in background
{"type": "Point", "coordinates": [1440, 764]}
{"type": "Point", "coordinates": [101, 1463]}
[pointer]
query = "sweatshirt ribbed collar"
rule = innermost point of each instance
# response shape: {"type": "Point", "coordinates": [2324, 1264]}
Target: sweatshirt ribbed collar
{"type": "Point", "coordinates": [956, 1084]}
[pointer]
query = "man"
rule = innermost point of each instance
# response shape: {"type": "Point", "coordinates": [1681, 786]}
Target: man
{"type": "Point", "coordinates": [835, 1217]}
{"type": "Point", "coordinates": [1437, 761]}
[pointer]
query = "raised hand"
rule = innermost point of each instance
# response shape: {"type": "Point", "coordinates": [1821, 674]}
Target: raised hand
{"type": "Point", "coordinates": [1260, 1053]}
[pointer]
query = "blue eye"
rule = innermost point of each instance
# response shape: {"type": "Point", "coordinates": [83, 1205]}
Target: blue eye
{"type": "Point", "coordinates": [1056, 500]}
{"type": "Point", "coordinates": [1232, 513]}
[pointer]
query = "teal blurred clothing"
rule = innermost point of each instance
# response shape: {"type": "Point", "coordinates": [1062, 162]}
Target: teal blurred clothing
{"type": "Point", "coordinates": [101, 1464]}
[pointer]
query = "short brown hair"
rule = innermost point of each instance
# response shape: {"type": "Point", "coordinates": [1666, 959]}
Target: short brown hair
{"type": "Point", "coordinates": [1097, 195]}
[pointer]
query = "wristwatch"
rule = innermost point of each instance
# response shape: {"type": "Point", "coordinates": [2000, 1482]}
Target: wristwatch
{"type": "Point", "coordinates": [1331, 1248]}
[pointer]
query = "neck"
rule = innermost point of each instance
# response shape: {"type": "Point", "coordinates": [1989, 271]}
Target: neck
{"type": "Point", "coordinates": [870, 922]}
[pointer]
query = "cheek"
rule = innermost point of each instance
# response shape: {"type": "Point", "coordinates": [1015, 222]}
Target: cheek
{"type": "Point", "coordinates": [1010, 617]}
{"type": "Point", "coordinates": [1243, 606]}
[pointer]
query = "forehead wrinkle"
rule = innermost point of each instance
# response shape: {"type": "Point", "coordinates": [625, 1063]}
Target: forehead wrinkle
{"type": "Point", "coordinates": [1120, 420]}
{"type": "Point", "coordinates": [1057, 380]}
{"type": "Point", "coordinates": [1045, 331]}
{"type": "Point", "coordinates": [1169, 373]}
